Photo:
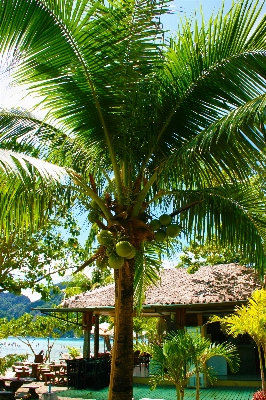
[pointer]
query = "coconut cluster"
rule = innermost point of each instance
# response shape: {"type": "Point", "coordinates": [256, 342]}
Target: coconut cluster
{"type": "Point", "coordinates": [163, 228]}
{"type": "Point", "coordinates": [116, 253]}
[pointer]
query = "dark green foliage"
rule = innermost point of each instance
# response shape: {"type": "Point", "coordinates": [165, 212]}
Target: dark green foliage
{"type": "Point", "coordinates": [12, 306]}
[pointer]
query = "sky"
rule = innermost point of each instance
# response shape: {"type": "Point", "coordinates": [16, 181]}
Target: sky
{"type": "Point", "coordinates": [12, 97]}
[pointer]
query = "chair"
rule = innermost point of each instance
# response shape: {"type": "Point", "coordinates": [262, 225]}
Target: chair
{"type": "Point", "coordinates": [74, 373]}
{"type": "Point", "coordinates": [137, 359]}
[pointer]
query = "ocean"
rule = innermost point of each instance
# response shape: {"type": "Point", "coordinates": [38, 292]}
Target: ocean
{"type": "Point", "coordinates": [12, 345]}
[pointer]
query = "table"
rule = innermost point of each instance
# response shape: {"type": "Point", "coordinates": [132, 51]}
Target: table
{"type": "Point", "coordinates": [6, 395]}
{"type": "Point", "coordinates": [60, 371]}
{"type": "Point", "coordinates": [35, 369]}
{"type": "Point", "coordinates": [32, 391]}
{"type": "Point", "coordinates": [16, 383]}
{"type": "Point", "coordinates": [49, 377]}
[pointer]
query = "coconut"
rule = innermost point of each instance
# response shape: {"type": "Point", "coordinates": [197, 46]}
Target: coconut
{"type": "Point", "coordinates": [109, 250]}
{"type": "Point", "coordinates": [115, 261]}
{"type": "Point", "coordinates": [173, 230]}
{"type": "Point", "coordinates": [165, 219]}
{"type": "Point", "coordinates": [123, 248]}
{"type": "Point", "coordinates": [131, 254]}
{"type": "Point", "coordinates": [160, 235]}
{"type": "Point", "coordinates": [93, 216]}
{"type": "Point", "coordinates": [105, 237]}
{"type": "Point", "coordinates": [155, 224]}
{"type": "Point", "coordinates": [102, 262]}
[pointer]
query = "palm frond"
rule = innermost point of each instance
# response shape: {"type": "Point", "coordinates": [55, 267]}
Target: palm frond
{"type": "Point", "coordinates": [147, 268]}
{"type": "Point", "coordinates": [28, 188]}
{"type": "Point", "coordinates": [212, 87]}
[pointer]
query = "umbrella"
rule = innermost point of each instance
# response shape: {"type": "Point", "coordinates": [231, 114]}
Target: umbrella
{"type": "Point", "coordinates": [104, 329]}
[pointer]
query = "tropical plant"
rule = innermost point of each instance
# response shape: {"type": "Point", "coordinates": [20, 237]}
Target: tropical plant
{"type": "Point", "coordinates": [170, 361]}
{"type": "Point", "coordinates": [73, 352]}
{"type": "Point", "coordinates": [7, 361]}
{"type": "Point", "coordinates": [203, 350]}
{"type": "Point", "coordinates": [182, 355]}
{"type": "Point", "coordinates": [144, 127]}
{"type": "Point", "coordinates": [249, 319]}
{"type": "Point", "coordinates": [259, 395]}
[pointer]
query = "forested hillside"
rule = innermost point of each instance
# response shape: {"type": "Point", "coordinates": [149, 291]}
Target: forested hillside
{"type": "Point", "coordinates": [12, 306]}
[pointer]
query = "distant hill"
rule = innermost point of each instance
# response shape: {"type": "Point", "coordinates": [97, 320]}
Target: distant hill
{"type": "Point", "coordinates": [13, 306]}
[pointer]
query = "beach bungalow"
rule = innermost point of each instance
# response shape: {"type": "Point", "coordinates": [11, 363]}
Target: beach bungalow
{"type": "Point", "coordinates": [183, 300]}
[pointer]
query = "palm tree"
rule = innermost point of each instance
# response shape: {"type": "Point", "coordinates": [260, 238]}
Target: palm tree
{"type": "Point", "coordinates": [249, 319]}
{"type": "Point", "coordinates": [182, 355]}
{"type": "Point", "coordinates": [170, 361]}
{"type": "Point", "coordinates": [144, 126]}
{"type": "Point", "coordinates": [203, 350]}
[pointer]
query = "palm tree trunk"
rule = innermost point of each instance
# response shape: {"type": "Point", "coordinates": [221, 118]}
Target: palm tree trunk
{"type": "Point", "coordinates": [197, 384]}
{"type": "Point", "coordinates": [261, 370]}
{"type": "Point", "coordinates": [177, 392]}
{"type": "Point", "coordinates": [121, 385]}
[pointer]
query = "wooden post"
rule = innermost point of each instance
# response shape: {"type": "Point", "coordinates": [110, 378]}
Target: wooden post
{"type": "Point", "coordinates": [96, 336]}
{"type": "Point", "coordinates": [87, 319]}
{"type": "Point", "coordinates": [199, 319]}
{"type": "Point", "coordinates": [180, 318]}
{"type": "Point", "coordinates": [86, 344]}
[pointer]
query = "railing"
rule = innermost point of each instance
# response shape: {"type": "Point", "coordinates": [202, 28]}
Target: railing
{"type": "Point", "coordinates": [88, 373]}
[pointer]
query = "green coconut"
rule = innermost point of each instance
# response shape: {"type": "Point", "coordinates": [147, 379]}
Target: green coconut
{"type": "Point", "coordinates": [131, 254]}
{"type": "Point", "coordinates": [105, 237]}
{"type": "Point", "coordinates": [155, 224]}
{"type": "Point", "coordinates": [102, 262]}
{"type": "Point", "coordinates": [173, 230]}
{"type": "Point", "coordinates": [160, 235]}
{"type": "Point", "coordinates": [93, 216]}
{"type": "Point", "coordinates": [165, 219]}
{"type": "Point", "coordinates": [115, 261]}
{"type": "Point", "coordinates": [123, 248]}
{"type": "Point", "coordinates": [109, 250]}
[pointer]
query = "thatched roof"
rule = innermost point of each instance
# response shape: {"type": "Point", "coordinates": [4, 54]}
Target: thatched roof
{"type": "Point", "coordinates": [210, 284]}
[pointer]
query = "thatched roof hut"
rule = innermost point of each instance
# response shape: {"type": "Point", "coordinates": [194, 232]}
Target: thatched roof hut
{"type": "Point", "coordinates": [220, 287]}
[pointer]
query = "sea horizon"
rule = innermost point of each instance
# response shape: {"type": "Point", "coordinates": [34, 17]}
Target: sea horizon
{"type": "Point", "coordinates": [13, 345]}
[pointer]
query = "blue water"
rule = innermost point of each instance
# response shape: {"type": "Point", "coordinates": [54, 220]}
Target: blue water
{"type": "Point", "coordinates": [13, 345]}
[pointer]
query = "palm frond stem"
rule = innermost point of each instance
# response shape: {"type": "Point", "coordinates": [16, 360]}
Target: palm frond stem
{"type": "Point", "coordinates": [85, 68]}
{"type": "Point", "coordinates": [143, 193]}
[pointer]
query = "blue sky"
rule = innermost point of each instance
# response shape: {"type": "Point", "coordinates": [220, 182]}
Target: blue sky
{"type": "Point", "coordinates": [189, 7]}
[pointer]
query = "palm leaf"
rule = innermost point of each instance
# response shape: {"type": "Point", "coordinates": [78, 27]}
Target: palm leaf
{"type": "Point", "coordinates": [27, 190]}
{"type": "Point", "coordinates": [212, 87]}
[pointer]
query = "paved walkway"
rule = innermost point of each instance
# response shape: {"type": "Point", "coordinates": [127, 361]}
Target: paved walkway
{"type": "Point", "coordinates": [165, 393]}
{"type": "Point", "coordinates": [142, 391]}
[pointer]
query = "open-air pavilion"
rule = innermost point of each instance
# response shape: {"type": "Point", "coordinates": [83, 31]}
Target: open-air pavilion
{"type": "Point", "coordinates": [182, 299]}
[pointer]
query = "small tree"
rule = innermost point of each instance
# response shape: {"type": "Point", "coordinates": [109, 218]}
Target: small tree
{"type": "Point", "coordinates": [251, 320]}
{"type": "Point", "coordinates": [182, 355]}
{"type": "Point", "coordinates": [170, 360]}
{"type": "Point", "coordinates": [210, 252]}
{"type": "Point", "coordinates": [27, 328]}
{"type": "Point", "coordinates": [203, 350]}
{"type": "Point", "coordinates": [30, 261]}
{"type": "Point", "coordinates": [8, 360]}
